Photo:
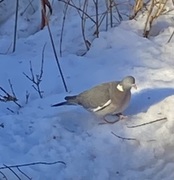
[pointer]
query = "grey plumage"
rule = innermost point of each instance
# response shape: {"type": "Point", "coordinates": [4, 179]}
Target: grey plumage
{"type": "Point", "coordinates": [104, 99]}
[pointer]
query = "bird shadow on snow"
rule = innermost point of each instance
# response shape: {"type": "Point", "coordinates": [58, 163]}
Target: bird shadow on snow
{"type": "Point", "coordinates": [142, 100]}
{"type": "Point", "coordinates": [76, 120]}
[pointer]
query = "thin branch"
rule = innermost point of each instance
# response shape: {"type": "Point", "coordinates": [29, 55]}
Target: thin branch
{"type": "Point", "coordinates": [11, 87]}
{"type": "Point", "coordinates": [16, 23]}
{"type": "Point", "coordinates": [42, 62]}
{"type": "Point", "coordinates": [63, 25]}
{"type": "Point", "coordinates": [9, 97]}
{"type": "Point", "coordinates": [83, 23]}
{"type": "Point", "coordinates": [27, 97]}
{"type": "Point", "coordinates": [24, 173]}
{"type": "Point", "coordinates": [11, 110]}
{"type": "Point", "coordinates": [12, 171]}
{"type": "Point", "coordinates": [170, 37]}
{"type": "Point", "coordinates": [37, 79]}
{"type": "Point", "coordinates": [124, 138]}
{"type": "Point", "coordinates": [29, 4]}
{"type": "Point", "coordinates": [97, 17]}
{"type": "Point", "coordinates": [56, 56]}
{"type": "Point", "coordinates": [32, 164]}
{"type": "Point", "coordinates": [157, 120]}
{"type": "Point", "coordinates": [4, 176]}
{"type": "Point", "coordinates": [111, 13]}
{"type": "Point", "coordinates": [79, 9]}
{"type": "Point", "coordinates": [14, 95]}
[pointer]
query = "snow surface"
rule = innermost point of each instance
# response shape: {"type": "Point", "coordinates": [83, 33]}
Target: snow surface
{"type": "Point", "coordinates": [38, 132]}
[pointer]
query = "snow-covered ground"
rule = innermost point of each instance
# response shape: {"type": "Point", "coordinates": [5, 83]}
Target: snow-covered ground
{"type": "Point", "coordinates": [39, 133]}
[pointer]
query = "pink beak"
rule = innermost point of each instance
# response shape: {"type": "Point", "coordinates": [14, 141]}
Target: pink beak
{"type": "Point", "coordinates": [134, 86]}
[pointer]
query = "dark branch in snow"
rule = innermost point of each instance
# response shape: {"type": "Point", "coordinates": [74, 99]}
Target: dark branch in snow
{"type": "Point", "coordinates": [27, 97]}
{"type": "Point", "coordinates": [7, 97]}
{"type": "Point", "coordinates": [16, 24]}
{"type": "Point", "coordinates": [56, 56]}
{"type": "Point", "coordinates": [12, 171]}
{"type": "Point", "coordinates": [11, 110]}
{"type": "Point", "coordinates": [14, 95]}
{"type": "Point", "coordinates": [10, 167]}
{"type": "Point", "coordinates": [157, 120]}
{"type": "Point", "coordinates": [37, 79]}
{"type": "Point", "coordinates": [32, 164]}
{"type": "Point", "coordinates": [24, 173]}
{"type": "Point", "coordinates": [29, 5]}
{"type": "Point", "coordinates": [4, 176]}
{"type": "Point", "coordinates": [124, 138]}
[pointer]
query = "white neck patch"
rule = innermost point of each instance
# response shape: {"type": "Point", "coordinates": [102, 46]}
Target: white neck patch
{"type": "Point", "coordinates": [120, 87]}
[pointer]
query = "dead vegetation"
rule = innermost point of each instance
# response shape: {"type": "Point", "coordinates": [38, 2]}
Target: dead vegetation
{"type": "Point", "coordinates": [91, 13]}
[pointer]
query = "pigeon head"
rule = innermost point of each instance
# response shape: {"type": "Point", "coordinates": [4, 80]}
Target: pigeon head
{"type": "Point", "coordinates": [127, 83]}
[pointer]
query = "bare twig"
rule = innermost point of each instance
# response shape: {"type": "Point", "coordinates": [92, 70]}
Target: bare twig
{"type": "Point", "coordinates": [4, 176]}
{"type": "Point", "coordinates": [27, 97]}
{"type": "Point", "coordinates": [32, 164]}
{"type": "Point", "coordinates": [14, 95]}
{"type": "Point", "coordinates": [11, 110]}
{"type": "Point", "coordinates": [157, 120]}
{"type": "Point", "coordinates": [24, 173]}
{"type": "Point", "coordinates": [29, 4]}
{"type": "Point", "coordinates": [15, 27]}
{"type": "Point", "coordinates": [124, 138]}
{"type": "Point", "coordinates": [9, 97]}
{"type": "Point", "coordinates": [107, 17]}
{"type": "Point", "coordinates": [170, 37]}
{"type": "Point", "coordinates": [63, 25]}
{"type": "Point", "coordinates": [156, 9]}
{"type": "Point", "coordinates": [111, 13]}
{"type": "Point", "coordinates": [11, 87]}
{"type": "Point", "coordinates": [83, 24]}
{"type": "Point", "coordinates": [12, 171]}
{"type": "Point", "coordinates": [56, 56]}
{"type": "Point", "coordinates": [79, 9]}
{"type": "Point", "coordinates": [97, 17]}
{"type": "Point", "coordinates": [38, 78]}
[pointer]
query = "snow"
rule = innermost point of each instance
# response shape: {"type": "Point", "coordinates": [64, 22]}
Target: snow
{"type": "Point", "coordinates": [39, 133]}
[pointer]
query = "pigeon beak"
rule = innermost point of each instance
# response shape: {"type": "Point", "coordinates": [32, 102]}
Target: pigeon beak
{"type": "Point", "coordinates": [134, 86]}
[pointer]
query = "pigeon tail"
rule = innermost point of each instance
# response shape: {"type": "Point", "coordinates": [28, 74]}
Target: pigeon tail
{"type": "Point", "coordinates": [70, 100]}
{"type": "Point", "coordinates": [60, 104]}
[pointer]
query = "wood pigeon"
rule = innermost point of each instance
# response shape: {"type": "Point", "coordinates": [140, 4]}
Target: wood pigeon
{"type": "Point", "coordinates": [110, 98]}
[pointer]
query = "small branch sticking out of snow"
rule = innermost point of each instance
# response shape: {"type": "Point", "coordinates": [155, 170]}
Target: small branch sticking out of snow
{"type": "Point", "coordinates": [124, 138]}
{"type": "Point", "coordinates": [4, 176]}
{"type": "Point", "coordinates": [27, 97]}
{"type": "Point", "coordinates": [56, 57]}
{"type": "Point", "coordinates": [37, 79]}
{"type": "Point", "coordinates": [9, 97]}
{"type": "Point", "coordinates": [24, 173]}
{"type": "Point", "coordinates": [15, 27]}
{"type": "Point", "coordinates": [32, 164]}
{"type": "Point", "coordinates": [11, 167]}
{"type": "Point", "coordinates": [13, 172]}
{"type": "Point", "coordinates": [157, 120]}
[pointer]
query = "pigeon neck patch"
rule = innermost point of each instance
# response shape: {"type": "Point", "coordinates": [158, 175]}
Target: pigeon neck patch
{"type": "Point", "coordinates": [120, 87]}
